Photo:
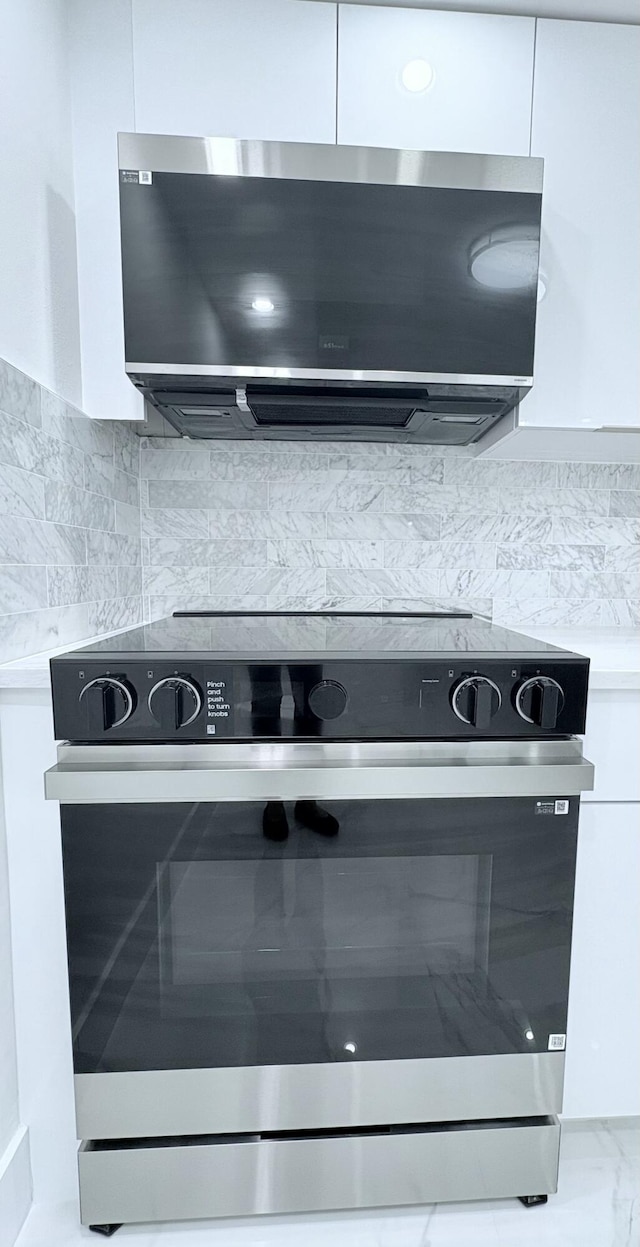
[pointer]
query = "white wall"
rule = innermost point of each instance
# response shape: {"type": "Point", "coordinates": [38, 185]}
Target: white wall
{"type": "Point", "coordinates": [39, 334]}
{"type": "Point", "coordinates": [39, 306]}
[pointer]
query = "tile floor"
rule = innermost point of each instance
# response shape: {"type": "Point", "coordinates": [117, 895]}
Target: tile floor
{"type": "Point", "coordinates": [597, 1205]}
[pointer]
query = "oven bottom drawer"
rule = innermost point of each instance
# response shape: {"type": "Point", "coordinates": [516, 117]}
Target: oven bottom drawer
{"type": "Point", "coordinates": [253, 1099]}
{"type": "Point", "coordinates": [213, 1177]}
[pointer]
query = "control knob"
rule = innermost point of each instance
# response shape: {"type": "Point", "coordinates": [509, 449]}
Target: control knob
{"type": "Point", "coordinates": [539, 700]}
{"type": "Point", "coordinates": [108, 702]}
{"type": "Point", "coordinates": [328, 699]}
{"type": "Point", "coordinates": [175, 701]}
{"type": "Point", "coordinates": [475, 699]}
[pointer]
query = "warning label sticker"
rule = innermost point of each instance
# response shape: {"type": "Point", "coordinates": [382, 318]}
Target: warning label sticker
{"type": "Point", "coordinates": [143, 177]}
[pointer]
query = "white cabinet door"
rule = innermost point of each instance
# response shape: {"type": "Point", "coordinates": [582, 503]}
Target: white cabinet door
{"type": "Point", "coordinates": [260, 68]}
{"type": "Point", "coordinates": [612, 743]}
{"type": "Point", "coordinates": [263, 69]}
{"type": "Point", "coordinates": [586, 125]}
{"type": "Point", "coordinates": [603, 1031]}
{"type": "Point", "coordinates": [102, 100]}
{"type": "Point", "coordinates": [479, 99]}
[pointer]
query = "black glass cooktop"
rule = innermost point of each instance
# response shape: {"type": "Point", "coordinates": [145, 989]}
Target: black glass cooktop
{"type": "Point", "coordinates": [272, 636]}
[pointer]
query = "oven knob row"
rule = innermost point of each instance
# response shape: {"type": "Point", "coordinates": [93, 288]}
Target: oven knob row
{"type": "Point", "coordinates": [175, 702]}
{"type": "Point", "coordinates": [108, 702]}
{"type": "Point", "coordinates": [475, 700]}
{"type": "Point", "coordinates": [539, 700]}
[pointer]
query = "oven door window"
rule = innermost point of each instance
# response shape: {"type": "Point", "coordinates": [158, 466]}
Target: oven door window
{"type": "Point", "coordinates": [418, 929]}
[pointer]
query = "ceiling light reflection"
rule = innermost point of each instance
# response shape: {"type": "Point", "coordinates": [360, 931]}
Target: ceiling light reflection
{"type": "Point", "coordinates": [262, 304]}
{"type": "Point", "coordinates": [506, 258]}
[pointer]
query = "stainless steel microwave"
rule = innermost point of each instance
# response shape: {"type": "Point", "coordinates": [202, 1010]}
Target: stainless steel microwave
{"type": "Point", "coordinates": [289, 290]}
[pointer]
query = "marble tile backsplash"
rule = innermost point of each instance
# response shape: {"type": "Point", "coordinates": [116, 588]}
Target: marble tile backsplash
{"type": "Point", "coordinates": [284, 526]}
{"type": "Point", "coordinates": [70, 550]}
{"type": "Point", "coordinates": [99, 528]}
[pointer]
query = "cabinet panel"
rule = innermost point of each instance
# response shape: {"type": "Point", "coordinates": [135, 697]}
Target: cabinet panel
{"type": "Point", "coordinates": [250, 70]}
{"type": "Point", "coordinates": [586, 125]}
{"type": "Point", "coordinates": [479, 99]}
{"type": "Point", "coordinates": [102, 98]}
{"type": "Point", "coordinates": [612, 743]}
{"type": "Point", "coordinates": [603, 1038]}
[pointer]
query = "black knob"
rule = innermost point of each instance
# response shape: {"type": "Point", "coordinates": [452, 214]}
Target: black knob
{"type": "Point", "coordinates": [539, 700]}
{"type": "Point", "coordinates": [175, 702]}
{"type": "Point", "coordinates": [108, 701]}
{"type": "Point", "coordinates": [328, 699]}
{"type": "Point", "coordinates": [475, 700]}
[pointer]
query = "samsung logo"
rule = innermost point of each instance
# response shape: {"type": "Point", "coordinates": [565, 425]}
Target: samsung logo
{"type": "Point", "coordinates": [333, 342]}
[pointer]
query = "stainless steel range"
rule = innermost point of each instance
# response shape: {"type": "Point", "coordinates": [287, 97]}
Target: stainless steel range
{"type": "Point", "coordinates": [319, 879]}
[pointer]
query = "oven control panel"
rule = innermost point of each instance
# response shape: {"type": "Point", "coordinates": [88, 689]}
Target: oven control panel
{"type": "Point", "coordinates": [200, 699]}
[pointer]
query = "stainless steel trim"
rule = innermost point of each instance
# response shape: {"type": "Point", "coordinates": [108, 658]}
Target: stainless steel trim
{"type": "Point", "coordinates": [316, 1097]}
{"type": "Point", "coordinates": [527, 684]}
{"type": "Point", "coordinates": [347, 771]}
{"type": "Point", "coordinates": [325, 374]}
{"type": "Point", "coordinates": [329, 162]}
{"type": "Point", "coordinates": [567, 749]}
{"type": "Point", "coordinates": [471, 680]}
{"type": "Point", "coordinates": [177, 679]}
{"type": "Point", "coordinates": [214, 1178]}
{"type": "Point", "coordinates": [128, 699]}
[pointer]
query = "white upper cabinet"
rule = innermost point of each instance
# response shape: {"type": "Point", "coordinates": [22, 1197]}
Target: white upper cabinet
{"type": "Point", "coordinates": [586, 125]}
{"type": "Point", "coordinates": [473, 73]}
{"type": "Point", "coordinates": [102, 101]}
{"type": "Point", "coordinates": [263, 69]}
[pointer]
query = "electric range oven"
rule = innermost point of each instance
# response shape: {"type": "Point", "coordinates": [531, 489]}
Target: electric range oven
{"type": "Point", "coordinates": [319, 956]}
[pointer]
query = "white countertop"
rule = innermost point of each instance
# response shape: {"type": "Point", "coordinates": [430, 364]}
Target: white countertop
{"type": "Point", "coordinates": [614, 654]}
{"type": "Point", "coordinates": [33, 671]}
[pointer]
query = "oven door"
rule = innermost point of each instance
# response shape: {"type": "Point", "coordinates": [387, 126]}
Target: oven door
{"type": "Point", "coordinates": [412, 966]}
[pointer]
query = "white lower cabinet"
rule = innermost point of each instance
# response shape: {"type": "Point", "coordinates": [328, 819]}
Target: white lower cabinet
{"type": "Point", "coordinates": [612, 743]}
{"type": "Point", "coordinates": [603, 1036]}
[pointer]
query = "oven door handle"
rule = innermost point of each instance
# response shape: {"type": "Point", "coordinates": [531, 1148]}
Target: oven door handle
{"type": "Point", "coordinates": [160, 774]}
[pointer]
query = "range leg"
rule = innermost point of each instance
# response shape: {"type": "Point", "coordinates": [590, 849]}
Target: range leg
{"type": "Point", "coordinates": [105, 1230]}
{"type": "Point", "coordinates": [530, 1201]}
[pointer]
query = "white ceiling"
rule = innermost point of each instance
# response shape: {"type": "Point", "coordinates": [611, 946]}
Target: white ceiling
{"type": "Point", "coordinates": [585, 10]}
